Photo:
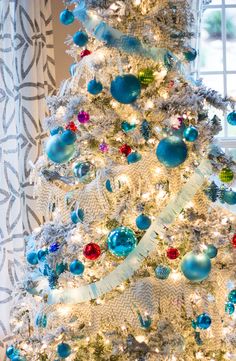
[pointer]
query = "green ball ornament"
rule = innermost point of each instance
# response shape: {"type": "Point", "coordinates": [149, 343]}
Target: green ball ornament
{"type": "Point", "coordinates": [146, 76]}
{"type": "Point", "coordinates": [226, 175]}
{"type": "Point", "coordinates": [232, 296]}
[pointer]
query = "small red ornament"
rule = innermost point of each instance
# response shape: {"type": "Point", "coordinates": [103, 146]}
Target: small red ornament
{"type": "Point", "coordinates": [92, 251]}
{"type": "Point", "coordinates": [125, 149]}
{"type": "Point", "coordinates": [85, 52]}
{"type": "Point", "coordinates": [172, 253]}
{"type": "Point", "coordinates": [71, 126]}
{"type": "Point", "coordinates": [233, 241]}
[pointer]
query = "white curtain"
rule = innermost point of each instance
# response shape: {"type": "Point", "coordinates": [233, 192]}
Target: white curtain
{"type": "Point", "coordinates": [26, 78]}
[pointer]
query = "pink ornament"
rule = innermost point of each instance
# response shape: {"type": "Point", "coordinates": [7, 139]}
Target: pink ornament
{"type": "Point", "coordinates": [103, 147]}
{"type": "Point", "coordinates": [83, 117]}
{"type": "Point", "coordinates": [178, 123]}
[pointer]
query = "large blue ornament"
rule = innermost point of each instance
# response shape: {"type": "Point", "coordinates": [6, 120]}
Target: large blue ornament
{"type": "Point", "coordinates": [190, 54]}
{"type": "Point", "coordinates": [134, 157]}
{"type": "Point", "coordinates": [77, 216]}
{"type": "Point", "coordinates": [196, 266]}
{"type": "Point", "coordinates": [231, 118]}
{"type": "Point", "coordinates": [80, 38]}
{"type": "Point", "coordinates": [191, 134]}
{"type": "Point", "coordinates": [229, 197]}
{"type": "Point", "coordinates": [125, 88]}
{"type": "Point", "coordinates": [143, 222]}
{"type": "Point", "coordinates": [57, 151]}
{"type": "Point", "coordinates": [162, 272]}
{"type": "Point", "coordinates": [66, 17]}
{"type": "Point", "coordinates": [76, 268]}
{"type": "Point", "coordinates": [229, 308]}
{"type": "Point", "coordinates": [63, 350]}
{"type": "Point", "coordinates": [32, 258]}
{"type": "Point", "coordinates": [232, 296]}
{"type": "Point", "coordinates": [211, 251]}
{"type": "Point", "coordinates": [171, 151]}
{"type": "Point", "coordinates": [203, 321]}
{"type": "Point", "coordinates": [85, 172]}
{"type": "Point", "coordinates": [94, 87]}
{"type": "Point", "coordinates": [68, 137]}
{"type": "Point", "coordinates": [121, 241]}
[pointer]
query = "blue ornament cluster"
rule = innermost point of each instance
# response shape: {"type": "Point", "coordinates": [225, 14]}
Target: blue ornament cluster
{"type": "Point", "coordinates": [230, 304]}
{"type": "Point", "coordinates": [14, 354]}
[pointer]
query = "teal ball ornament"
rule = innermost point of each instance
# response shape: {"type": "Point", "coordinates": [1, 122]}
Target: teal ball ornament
{"type": "Point", "coordinates": [143, 222]}
{"type": "Point", "coordinates": [56, 130]}
{"type": "Point", "coordinates": [76, 268]}
{"type": "Point", "coordinates": [63, 350]}
{"type": "Point", "coordinates": [85, 172]}
{"type": "Point", "coordinates": [211, 251]}
{"type": "Point", "coordinates": [42, 253]}
{"type": "Point", "coordinates": [171, 151]}
{"type": "Point", "coordinates": [77, 216]}
{"type": "Point", "coordinates": [231, 118]}
{"type": "Point", "coordinates": [162, 272]}
{"type": "Point", "coordinates": [190, 134]}
{"type": "Point", "coordinates": [203, 321]}
{"type": "Point", "coordinates": [57, 151]}
{"type": "Point", "coordinates": [196, 266]}
{"type": "Point", "coordinates": [11, 351]}
{"type": "Point", "coordinates": [232, 296]}
{"type": "Point", "coordinates": [190, 54]}
{"type": "Point", "coordinates": [80, 38]}
{"type": "Point", "coordinates": [68, 137]}
{"type": "Point", "coordinates": [66, 17]}
{"type": "Point", "coordinates": [229, 197]}
{"type": "Point", "coordinates": [134, 157]}
{"type": "Point", "coordinates": [125, 88]}
{"type": "Point", "coordinates": [121, 241]}
{"type": "Point", "coordinates": [229, 308]}
{"type": "Point", "coordinates": [94, 87]}
{"type": "Point", "coordinates": [32, 258]}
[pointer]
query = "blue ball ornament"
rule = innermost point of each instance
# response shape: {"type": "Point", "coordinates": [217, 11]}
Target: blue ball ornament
{"type": "Point", "coordinates": [229, 308]}
{"type": "Point", "coordinates": [57, 151]}
{"type": "Point", "coordinates": [121, 241]}
{"type": "Point", "coordinates": [77, 216]}
{"type": "Point", "coordinates": [11, 351]}
{"type": "Point", "coordinates": [32, 258]}
{"type": "Point", "coordinates": [191, 134]}
{"type": "Point", "coordinates": [171, 151]}
{"type": "Point", "coordinates": [56, 130]}
{"type": "Point", "coordinates": [196, 266]}
{"type": "Point", "coordinates": [211, 251]}
{"type": "Point", "coordinates": [232, 296]}
{"type": "Point", "coordinates": [125, 88]}
{"type": "Point", "coordinates": [190, 54]}
{"type": "Point", "coordinates": [63, 350]}
{"type": "Point", "coordinates": [143, 222]}
{"type": "Point", "coordinates": [203, 321]}
{"type": "Point", "coordinates": [42, 253]}
{"type": "Point", "coordinates": [162, 272]}
{"type": "Point", "coordinates": [80, 38]}
{"type": "Point", "coordinates": [85, 172]}
{"type": "Point", "coordinates": [134, 157]}
{"type": "Point", "coordinates": [229, 197]}
{"type": "Point", "coordinates": [68, 137]}
{"type": "Point", "coordinates": [76, 268]}
{"type": "Point", "coordinates": [94, 87]}
{"type": "Point", "coordinates": [66, 17]}
{"type": "Point", "coordinates": [231, 118]}
{"type": "Point", "coordinates": [54, 247]}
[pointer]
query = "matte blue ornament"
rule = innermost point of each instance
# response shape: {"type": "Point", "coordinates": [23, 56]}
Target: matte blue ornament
{"type": "Point", "coordinates": [229, 308]}
{"type": "Point", "coordinates": [57, 151]}
{"type": "Point", "coordinates": [127, 127]}
{"type": "Point", "coordinates": [108, 186]}
{"type": "Point", "coordinates": [72, 69]}
{"type": "Point", "coordinates": [32, 258]}
{"type": "Point", "coordinates": [125, 88]}
{"type": "Point", "coordinates": [162, 272]}
{"type": "Point", "coordinates": [191, 134]}
{"type": "Point", "coordinates": [229, 197]}
{"type": "Point", "coordinates": [203, 321]}
{"type": "Point", "coordinates": [42, 253]}
{"type": "Point", "coordinates": [54, 247]}
{"type": "Point", "coordinates": [145, 322]}
{"type": "Point", "coordinates": [76, 268]}
{"type": "Point", "coordinates": [41, 320]}
{"type": "Point", "coordinates": [66, 17]}
{"type": "Point", "coordinates": [80, 38]}
{"type": "Point", "coordinates": [77, 216]}
{"type": "Point", "coordinates": [134, 157]}
{"type": "Point", "coordinates": [231, 118]}
{"type": "Point", "coordinates": [68, 137]}
{"type": "Point", "coordinates": [63, 350]}
{"type": "Point", "coordinates": [121, 241]}
{"type": "Point", "coordinates": [94, 87]}
{"type": "Point", "coordinates": [211, 251]}
{"type": "Point", "coordinates": [196, 266]}
{"type": "Point", "coordinates": [85, 172]}
{"type": "Point", "coordinates": [190, 54]}
{"type": "Point", "coordinates": [232, 296]}
{"type": "Point", "coordinates": [171, 151]}
{"type": "Point", "coordinates": [130, 44]}
{"type": "Point", "coordinates": [56, 130]}
{"type": "Point", "coordinates": [143, 222]}
{"type": "Point", "coordinates": [11, 351]}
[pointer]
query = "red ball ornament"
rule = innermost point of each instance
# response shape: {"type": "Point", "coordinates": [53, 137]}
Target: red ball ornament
{"type": "Point", "coordinates": [92, 251]}
{"type": "Point", "coordinates": [71, 126]}
{"type": "Point", "coordinates": [233, 241]}
{"type": "Point", "coordinates": [125, 149]}
{"type": "Point", "coordinates": [85, 52]}
{"type": "Point", "coordinates": [172, 253]}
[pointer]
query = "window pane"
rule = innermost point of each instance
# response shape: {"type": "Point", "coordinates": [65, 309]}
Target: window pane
{"type": "Point", "coordinates": [230, 2]}
{"type": "Point", "coordinates": [216, 2]}
{"type": "Point", "coordinates": [230, 19]}
{"type": "Point", "coordinates": [231, 131]}
{"type": "Point", "coordinates": [231, 85]}
{"type": "Point", "coordinates": [214, 81]}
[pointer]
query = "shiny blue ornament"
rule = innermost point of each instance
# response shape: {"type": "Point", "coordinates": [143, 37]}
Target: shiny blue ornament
{"type": "Point", "coordinates": [32, 258]}
{"type": "Point", "coordinates": [72, 69]}
{"type": "Point", "coordinates": [190, 54]}
{"type": "Point", "coordinates": [232, 296]}
{"type": "Point", "coordinates": [42, 253]}
{"type": "Point", "coordinates": [121, 241]}
{"type": "Point", "coordinates": [108, 186]}
{"type": "Point", "coordinates": [11, 351]}
{"type": "Point", "coordinates": [134, 157]}
{"type": "Point", "coordinates": [56, 130]}
{"type": "Point", "coordinates": [66, 17]}
{"type": "Point", "coordinates": [127, 127]}
{"type": "Point", "coordinates": [63, 350]}
{"type": "Point", "coordinates": [68, 137]}
{"type": "Point", "coordinates": [162, 272]}
{"type": "Point", "coordinates": [231, 118]}
{"type": "Point", "coordinates": [229, 308]}
{"type": "Point", "coordinates": [54, 247]}
{"type": "Point", "coordinates": [41, 320]}
{"type": "Point", "coordinates": [77, 216]}
{"type": "Point", "coordinates": [196, 266]}
{"type": "Point", "coordinates": [211, 251]}
{"type": "Point", "coordinates": [229, 197]}
{"type": "Point", "coordinates": [143, 222]}
{"type": "Point", "coordinates": [85, 172]}
{"type": "Point", "coordinates": [203, 321]}
{"type": "Point", "coordinates": [57, 151]}
{"type": "Point", "coordinates": [125, 88]}
{"type": "Point", "coordinates": [80, 38]}
{"type": "Point", "coordinates": [130, 44]}
{"type": "Point", "coordinates": [171, 151]}
{"type": "Point", "coordinates": [94, 87]}
{"type": "Point", "coordinates": [191, 134]}
{"type": "Point", "coordinates": [145, 322]}
{"type": "Point", "coordinates": [76, 268]}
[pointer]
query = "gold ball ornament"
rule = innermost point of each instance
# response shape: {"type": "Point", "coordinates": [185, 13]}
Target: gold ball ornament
{"type": "Point", "coordinates": [146, 76]}
{"type": "Point", "coordinates": [226, 175]}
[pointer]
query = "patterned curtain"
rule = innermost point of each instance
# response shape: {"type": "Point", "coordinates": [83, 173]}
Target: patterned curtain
{"type": "Point", "coordinates": [26, 78]}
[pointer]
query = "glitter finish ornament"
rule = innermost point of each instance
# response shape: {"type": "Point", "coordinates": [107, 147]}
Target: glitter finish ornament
{"type": "Point", "coordinates": [190, 54]}
{"type": "Point", "coordinates": [226, 175]}
{"type": "Point", "coordinates": [171, 151]}
{"type": "Point", "coordinates": [203, 321]}
{"type": "Point", "coordinates": [190, 134]}
{"type": "Point", "coordinates": [92, 251]}
{"type": "Point", "coordinates": [229, 308]}
{"type": "Point", "coordinates": [231, 118]}
{"type": "Point", "coordinates": [68, 137]}
{"type": "Point", "coordinates": [143, 222]}
{"type": "Point", "coordinates": [172, 253]}
{"type": "Point", "coordinates": [232, 296]}
{"type": "Point", "coordinates": [196, 266]}
{"type": "Point", "coordinates": [104, 147]}
{"type": "Point", "coordinates": [57, 151]}
{"type": "Point", "coordinates": [63, 350]}
{"type": "Point", "coordinates": [211, 251]}
{"type": "Point", "coordinates": [121, 241]}
{"type": "Point", "coordinates": [85, 52]}
{"type": "Point", "coordinates": [76, 268]}
{"type": "Point", "coordinates": [134, 157]}
{"type": "Point", "coordinates": [94, 87]}
{"type": "Point", "coordinates": [162, 272]}
{"type": "Point", "coordinates": [229, 197]}
{"type": "Point", "coordinates": [125, 88]}
{"type": "Point", "coordinates": [66, 17]}
{"type": "Point", "coordinates": [233, 241]}
{"type": "Point", "coordinates": [80, 38]}
{"type": "Point", "coordinates": [125, 149]}
{"type": "Point", "coordinates": [83, 117]}
{"type": "Point", "coordinates": [146, 76]}
{"type": "Point", "coordinates": [85, 172]}
{"type": "Point", "coordinates": [32, 258]}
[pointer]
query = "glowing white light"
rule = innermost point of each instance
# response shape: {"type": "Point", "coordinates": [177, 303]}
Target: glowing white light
{"type": "Point", "coordinates": [175, 275]}
{"type": "Point", "coordinates": [64, 310]}
{"type": "Point", "coordinates": [140, 338]}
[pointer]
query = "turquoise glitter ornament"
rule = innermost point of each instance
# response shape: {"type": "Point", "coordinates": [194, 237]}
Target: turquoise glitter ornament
{"type": "Point", "coordinates": [68, 137]}
{"type": "Point", "coordinates": [41, 320]}
{"type": "Point", "coordinates": [94, 87]}
{"type": "Point", "coordinates": [63, 350]}
{"type": "Point", "coordinates": [231, 118]}
{"type": "Point", "coordinates": [162, 272]}
{"type": "Point", "coordinates": [196, 266]}
{"type": "Point", "coordinates": [121, 241]}
{"type": "Point", "coordinates": [211, 251]}
{"type": "Point", "coordinates": [171, 151]}
{"type": "Point", "coordinates": [85, 172]}
{"type": "Point", "coordinates": [66, 17]}
{"type": "Point", "coordinates": [56, 130]}
{"type": "Point", "coordinates": [57, 151]}
{"type": "Point", "coordinates": [32, 258]}
{"type": "Point", "coordinates": [190, 54]}
{"type": "Point", "coordinates": [203, 321]}
{"type": "Point", "coordinates": [77, 216]}
{"type": "Point", "coordinates": [134, 157]}
{"type": "Point", "coordinates": [191, 134]}
{"type": "Point", "coordinates": [229, 197]}
{"type": "Point", "coordinates": [232, 296]}
{"type": "Point", "coordinates": [229, 308]}
{"type": "Point", "coordinates": [76, 268]}
{"type": "Point", "coordinates": [80, 38]}
{"type": "Point", "coordinates": [125, 88]}
{"type": "Point", "coordinates": [127, 127]}
{"type": "Point", "coordinates": [143, 222]}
